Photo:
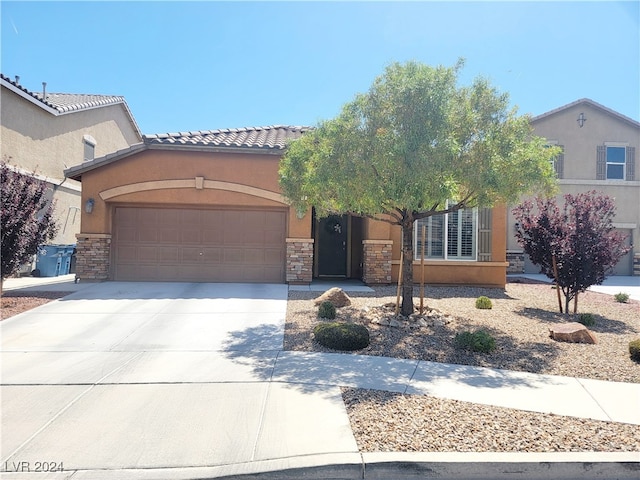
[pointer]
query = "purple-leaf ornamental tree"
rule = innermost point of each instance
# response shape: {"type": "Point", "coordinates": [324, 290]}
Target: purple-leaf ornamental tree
{"type": "Point", "coordinates": [576, 246]}
{"type": "Point", "coordinates": [27, 218]}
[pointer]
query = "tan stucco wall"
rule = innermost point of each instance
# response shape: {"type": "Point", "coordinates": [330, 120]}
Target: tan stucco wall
{"type": "Point", "coordinates": [35, 139]}
{"type": "Point", "coordinates": [175, 174]}
{"type": "Point", "coordinates": [580, 145]}
{"type": "Point", "coordinates": [256, 171]}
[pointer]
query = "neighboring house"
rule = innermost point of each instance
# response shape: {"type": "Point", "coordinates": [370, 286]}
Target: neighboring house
{"type": "Point", "coordinates": [49, 132]}
{"type": "Point", "coordinates": [207, 206]}
{"type": "Point", "coordinates": [599, 152]}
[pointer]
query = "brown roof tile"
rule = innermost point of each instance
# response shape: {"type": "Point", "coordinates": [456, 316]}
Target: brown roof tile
{"type": "Point", "coordinates": [272, 137]}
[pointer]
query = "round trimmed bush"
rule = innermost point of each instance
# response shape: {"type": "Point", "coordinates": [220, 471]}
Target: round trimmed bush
{"type": "Point", "coordinates": [478, 341]}
{"type": "Point", "coordinates": [342, 336]}
{"type": "Point", "coordinates": [621, 297]}
{"type": "Point", "coordinates": [483, 303]}
{"type": "Point", "coordinates": [634, 349]}
{"type": "Point", "coordinates": [587, 319]}
{"type": "Point", "coordinates": [327, 310]}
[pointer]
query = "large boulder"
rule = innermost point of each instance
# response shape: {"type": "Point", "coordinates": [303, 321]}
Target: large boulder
{"type": "Point", "coordinates": [334, 295]}
{"type": "Point", "coordinates": [572, 332]}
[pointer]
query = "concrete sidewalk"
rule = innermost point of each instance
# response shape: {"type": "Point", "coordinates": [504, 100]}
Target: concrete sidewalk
{"type": "Point", "coordinates": [611, 285]}
{"type": "Point", "coordinates": [187, 381]}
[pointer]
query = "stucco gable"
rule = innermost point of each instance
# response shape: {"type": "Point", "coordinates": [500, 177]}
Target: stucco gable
{"type": "Point", "coordinates": [263, 140]}
{"type": "Point", "coordinates": [591, 103]}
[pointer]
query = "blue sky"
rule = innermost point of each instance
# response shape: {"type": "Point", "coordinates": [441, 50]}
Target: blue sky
{"type": "Point", "coordinates": [206, 65]}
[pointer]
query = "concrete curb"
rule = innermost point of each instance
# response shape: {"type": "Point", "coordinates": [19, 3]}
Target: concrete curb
{"type": "Point", "coordinates": [393, 465]}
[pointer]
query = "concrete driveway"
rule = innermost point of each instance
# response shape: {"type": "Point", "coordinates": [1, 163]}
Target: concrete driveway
{"type": "Point", "coordinates": [145, 377]}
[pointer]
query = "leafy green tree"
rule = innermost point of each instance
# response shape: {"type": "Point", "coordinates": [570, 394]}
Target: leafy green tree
{"type": "Point", "coordinates": [576, 246]}
{"type": "Point", "coordinates": [413, 146]}
{"type": "Point", "coordinates": [26, 217]}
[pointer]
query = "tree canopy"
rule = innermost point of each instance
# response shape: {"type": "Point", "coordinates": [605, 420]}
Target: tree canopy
{"type": "Point", "coordinates": [576, 246]}
{"type": "Point", "coordinates": [413, 146]}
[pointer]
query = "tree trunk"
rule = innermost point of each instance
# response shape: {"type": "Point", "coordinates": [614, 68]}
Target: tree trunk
{"type": "Point", "coordinates": [575, 304]}
{"type": "Point", "coordinates": [555, 275]}
{"type": "Point", "coordinates": [407, 268]}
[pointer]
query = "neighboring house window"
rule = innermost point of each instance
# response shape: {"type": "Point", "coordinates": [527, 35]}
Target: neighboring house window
{"type": "Point", "coordinates": [558, 163]}
{"type": "Point", "coordinates": [616, 157]}
{"type": "Point", "coordinates": [450, 236]}
{"type": "Point", "coordinates": [615, 162]}
{"type": "Point", "coordinates": [89, 147]}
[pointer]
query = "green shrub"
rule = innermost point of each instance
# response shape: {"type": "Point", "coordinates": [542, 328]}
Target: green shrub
{"type": "Point", "coordinates": [621, 297]}
{"type": "Point", "coordinates": [484, 303]}
{"type": "Point", "coordinates": [587, 319]}
{"type": "Point", "coordinates": [327, 310]}
{"type": "Point", "coordinates": [634, 349]}
{"type": "Point", "coordinates": [478, 341]}
{"type": "Point", "coordinates": [342, 336]}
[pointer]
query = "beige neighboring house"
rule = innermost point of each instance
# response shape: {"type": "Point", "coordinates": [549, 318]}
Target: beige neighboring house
{"type": "Point", "coordinates": [50, 132]}
{"type": "Point", "coordinates": [599, 152]}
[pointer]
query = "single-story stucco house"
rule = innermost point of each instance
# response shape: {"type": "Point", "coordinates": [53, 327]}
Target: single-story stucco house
{"type": "Point", "coordinates": [206, 206]}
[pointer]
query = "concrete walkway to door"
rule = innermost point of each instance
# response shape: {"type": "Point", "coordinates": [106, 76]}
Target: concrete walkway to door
{"type": "Point", "coordinates": [184, 381]}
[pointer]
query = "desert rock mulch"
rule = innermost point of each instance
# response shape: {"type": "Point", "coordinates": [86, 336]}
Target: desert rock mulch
{"type": "Point", "coordinates": [519, 321]}
{"type": "Point", "coordinates": [15, 302]}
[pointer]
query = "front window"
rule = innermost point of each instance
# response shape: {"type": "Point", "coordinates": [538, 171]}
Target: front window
{"type": "Point", "coordinates": [450, 236]}
{"type": "Point", "coordinates": [616, 160]}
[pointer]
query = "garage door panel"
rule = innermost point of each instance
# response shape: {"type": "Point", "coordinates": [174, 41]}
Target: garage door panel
{"type": "Point", "coordinates": [168, 255]}
{"type": "Point", "coordinates": [190, 236]}
{"type": "Point", "coordinates": [168, 236]}
{"type": "Point", "coordinates": [199, 245]}
{"type": "Point", "coordinates": [147, 254]}
{"type": "Point", "coordinates": [212, 236]}
{"type": "Point", "coordinates": [126, 253]}
{"type": "Point", "coordinates": [234, 255]}
{"type": "Point", "coordinates": [273, 256]}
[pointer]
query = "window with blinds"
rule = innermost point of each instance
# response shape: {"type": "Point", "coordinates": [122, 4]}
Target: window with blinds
{"type": "Point", "coordinates": [453, 236]}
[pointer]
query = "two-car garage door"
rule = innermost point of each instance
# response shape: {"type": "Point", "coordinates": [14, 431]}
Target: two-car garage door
{"type": "Point", "coordinates": [177, 244]}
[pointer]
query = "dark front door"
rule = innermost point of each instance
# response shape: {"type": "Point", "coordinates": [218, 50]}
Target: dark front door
{"type": "Point", "coordinates": [332, 246]}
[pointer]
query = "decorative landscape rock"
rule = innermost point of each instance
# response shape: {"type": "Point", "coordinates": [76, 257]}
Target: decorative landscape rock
{"type": "Point", "coordinates": [334, 295]}
{"type": "Point", "coordinates": [572, 332]}
{"type": "Point", "coordinates": [385, 315]}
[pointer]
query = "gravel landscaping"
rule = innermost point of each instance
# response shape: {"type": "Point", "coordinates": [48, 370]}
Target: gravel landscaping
{"type": "Point", "coordinates": [519, 321]}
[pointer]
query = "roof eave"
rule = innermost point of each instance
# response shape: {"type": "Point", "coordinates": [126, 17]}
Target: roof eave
{"type": "Point", "coordinates": [30, 98]}
{"type": "Point", "coordinates": [76, 172]}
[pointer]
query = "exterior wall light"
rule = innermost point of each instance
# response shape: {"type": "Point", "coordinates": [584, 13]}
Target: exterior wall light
{"type": "Point", "coordinates": [88, 207]}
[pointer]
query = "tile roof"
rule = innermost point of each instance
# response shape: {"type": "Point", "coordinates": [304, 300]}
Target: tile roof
{"type": "Point", "coordinates": [63, 103]}
{"type": "Point", "coordinates": [67, 102]}
{"type": "Point", "coordinates": [71, 102]}
{"type": "Point", "coordinates": [273, 137]}
{"type": "Point", "coordinates": [260, 140]}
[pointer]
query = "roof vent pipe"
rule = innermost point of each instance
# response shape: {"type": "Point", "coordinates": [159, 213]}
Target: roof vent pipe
{"type": "Point", "coordinates": [17, 79]}
{"type": "Point", "coordinates": [44, 91]}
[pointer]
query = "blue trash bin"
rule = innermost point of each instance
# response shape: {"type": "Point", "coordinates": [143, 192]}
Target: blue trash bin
{"type": "Point", "coordinates": [65, 251]}
{"type": "Point", "coordinates": [49, 261]}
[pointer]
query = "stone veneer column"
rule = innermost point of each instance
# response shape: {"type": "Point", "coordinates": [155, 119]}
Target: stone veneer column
{"type": "Point", "coordinates": [516, 261]}
{"type": "Point", "coordinates": [299, 260]}
{"type": "Point", "coordinates": [93, 251]}
{"type": "Point", "coordinates": [636, 264]}
{"type": "Point", "coordinates": [376, 261]}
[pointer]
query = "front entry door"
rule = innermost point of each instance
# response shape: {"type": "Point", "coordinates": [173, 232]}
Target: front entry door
{"type": "Point", "coordinates": [332, 246]}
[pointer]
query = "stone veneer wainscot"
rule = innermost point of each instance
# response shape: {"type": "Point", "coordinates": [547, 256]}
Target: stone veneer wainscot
{"type": "Point", "coordinates": [376, 261]}
{"type": "Point", "coordinates": [299, 268]}
{"type": "Point", "coordinates": [92, 256]}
